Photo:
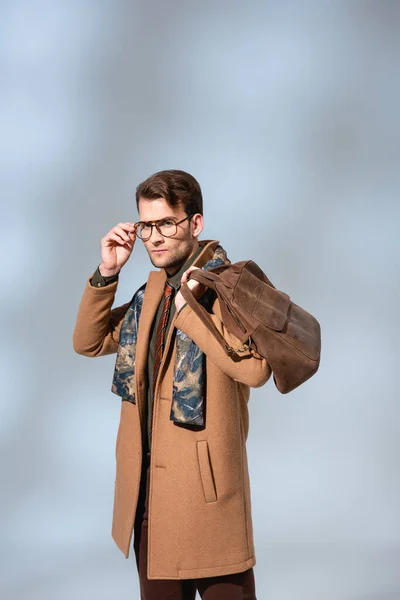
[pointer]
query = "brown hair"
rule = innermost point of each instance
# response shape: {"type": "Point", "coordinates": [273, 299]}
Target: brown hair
{"type": "Point", "coordinates": [177, 187]}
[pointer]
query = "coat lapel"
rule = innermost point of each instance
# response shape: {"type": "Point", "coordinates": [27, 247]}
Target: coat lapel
{"type": "Point", "coordinates": [152, 297]}
{"type": "Point", "coordinates": [204, 256]}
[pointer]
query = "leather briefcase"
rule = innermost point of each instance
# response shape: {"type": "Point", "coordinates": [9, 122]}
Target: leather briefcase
{"type": "Point", "coordinates": [263, 319]}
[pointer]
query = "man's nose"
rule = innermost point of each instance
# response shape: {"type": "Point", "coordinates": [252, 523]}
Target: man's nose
{"type": "Point", "coordinates": [155, 235]}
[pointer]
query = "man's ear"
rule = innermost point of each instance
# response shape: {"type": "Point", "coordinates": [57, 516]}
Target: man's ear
{"type": "Point", "coordinates": [199, 224]}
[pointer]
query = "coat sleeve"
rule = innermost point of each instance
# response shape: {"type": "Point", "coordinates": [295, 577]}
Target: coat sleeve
{"type": "Point", "coordinates": [98, 326]}
{"type": "Point", "coordinates": [249, 367]}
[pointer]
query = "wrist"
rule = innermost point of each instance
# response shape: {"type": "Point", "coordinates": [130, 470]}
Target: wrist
{"type": "Point", "coordinates": [179, 301]}
{"type": "Point", "coordinates": [178, 310]}
{"type": "Point", "coordinates": [108, 272]}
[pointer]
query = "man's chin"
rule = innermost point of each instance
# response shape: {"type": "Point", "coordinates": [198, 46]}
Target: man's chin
{"type": "Point", "coordinates": [161, 260]}
{"type": "Point", "coordinates": [161, 256]}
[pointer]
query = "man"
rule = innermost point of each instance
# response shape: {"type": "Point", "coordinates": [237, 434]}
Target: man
{"type": "Point", "coordinates": [182, 483]}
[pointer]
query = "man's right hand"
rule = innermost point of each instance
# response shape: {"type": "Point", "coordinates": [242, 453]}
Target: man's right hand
{"type": "Point", "coordinates": [116, 248]}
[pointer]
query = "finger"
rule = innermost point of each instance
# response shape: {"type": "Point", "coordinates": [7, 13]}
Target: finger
{"type": "Point", "coordinates": [116, 238]}
{"type": "Point", "coordinates": [121, 231]}
{"type": "Point", "coordinates": [128, 226]}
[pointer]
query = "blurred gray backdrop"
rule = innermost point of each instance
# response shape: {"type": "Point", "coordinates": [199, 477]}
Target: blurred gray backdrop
{"type": "Point", "coordinates": [288, 115]}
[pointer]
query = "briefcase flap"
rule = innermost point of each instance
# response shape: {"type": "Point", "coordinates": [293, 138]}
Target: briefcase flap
{"type": "Point", "coordinates": [272, 308]}
{"type": "Point", "coordinates": [264, 303]}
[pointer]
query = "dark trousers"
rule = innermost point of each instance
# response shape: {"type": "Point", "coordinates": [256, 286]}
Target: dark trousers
{"type": "Point", "coordinates": [238, 586]}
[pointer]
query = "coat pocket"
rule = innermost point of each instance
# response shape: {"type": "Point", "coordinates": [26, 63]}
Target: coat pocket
{"type": "Point", "coordinates": [206, 474]}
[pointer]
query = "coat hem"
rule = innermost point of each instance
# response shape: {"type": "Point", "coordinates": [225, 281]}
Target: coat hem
{"type": "Point", "coordinates": [124, 550]}
{"type": "Point", "coordinates": [211, 571]}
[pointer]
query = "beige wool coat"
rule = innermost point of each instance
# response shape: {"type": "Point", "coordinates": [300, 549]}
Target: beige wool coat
{"type": "Point", "coordinates": [200, 521]}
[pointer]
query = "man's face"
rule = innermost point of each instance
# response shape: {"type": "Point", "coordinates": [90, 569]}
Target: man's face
{"type": "Point", "coordinates": [176, 249]}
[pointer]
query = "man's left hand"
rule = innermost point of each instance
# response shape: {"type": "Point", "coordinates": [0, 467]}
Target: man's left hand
{"type": "Point", "coordinates": [197, 288]}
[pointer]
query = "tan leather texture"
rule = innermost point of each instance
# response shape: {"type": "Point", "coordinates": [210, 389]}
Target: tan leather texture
{"type": "Point", "coordinates": [262, 318]}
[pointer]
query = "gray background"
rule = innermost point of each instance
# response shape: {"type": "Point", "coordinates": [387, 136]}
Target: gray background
{"type": "Point", "coordinates": [287, 114]}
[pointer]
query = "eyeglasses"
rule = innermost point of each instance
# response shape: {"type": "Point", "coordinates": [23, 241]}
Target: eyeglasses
{"type": "Point", "coordinates": [167, 227]}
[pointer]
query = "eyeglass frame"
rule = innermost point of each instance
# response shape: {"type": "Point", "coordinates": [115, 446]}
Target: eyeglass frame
{"type": "Point", "coordinates": [155, 224]}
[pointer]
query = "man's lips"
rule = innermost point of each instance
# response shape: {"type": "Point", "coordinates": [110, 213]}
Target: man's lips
{"type": "Point", "coordinates": [158, 251]}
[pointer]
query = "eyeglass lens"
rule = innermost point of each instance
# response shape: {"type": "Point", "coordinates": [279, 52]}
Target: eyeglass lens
{"type": "Point", "coordinates": [166, 227]}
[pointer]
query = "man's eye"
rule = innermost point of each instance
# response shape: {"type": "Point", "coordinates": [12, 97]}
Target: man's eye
{"type": "Point", "coordinates": [167, 222]}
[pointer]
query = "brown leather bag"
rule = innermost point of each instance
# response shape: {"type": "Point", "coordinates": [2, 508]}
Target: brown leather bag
{"type": "Point", "coordinates": [263, 319]}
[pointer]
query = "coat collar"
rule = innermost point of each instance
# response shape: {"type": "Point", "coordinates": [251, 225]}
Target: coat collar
{"type": "Point", "coordinates": [152, 297]}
